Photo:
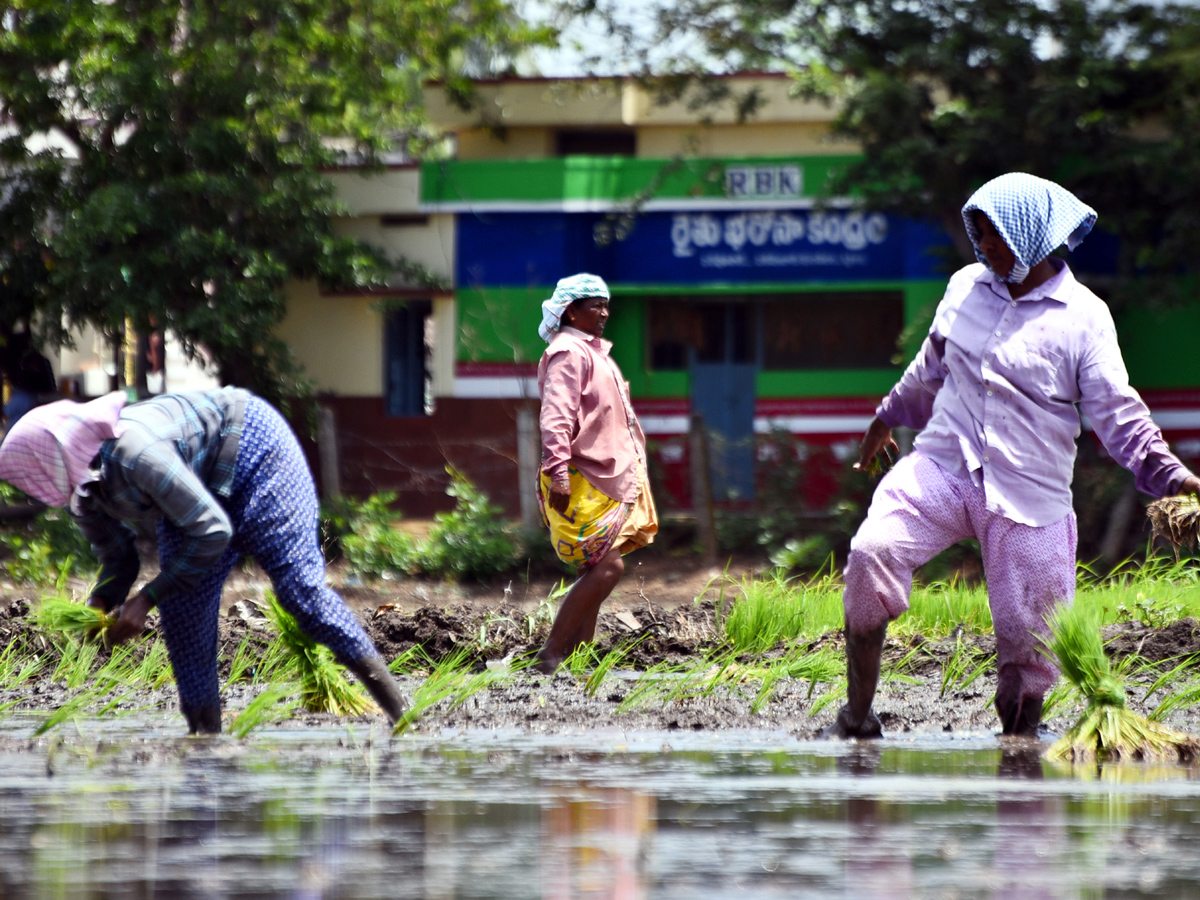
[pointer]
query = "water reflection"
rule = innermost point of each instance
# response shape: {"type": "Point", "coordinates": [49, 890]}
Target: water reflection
{"type": "Point", "coordinates": [326, 814]}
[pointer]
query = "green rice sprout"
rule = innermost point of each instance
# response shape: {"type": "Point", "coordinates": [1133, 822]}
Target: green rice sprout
{"type": "Point", "coordinates": [414, 659]}
{"type": "Point", "coordinates": [1108, 731]}
{"type": "Point", "coordinates": [1177, 519]}
{"type": "Point", "coordinates": [274, 704]}
{"type": "Point", "coordinates": [323, 686]}
{"type": "Point", "coordinates": [451, 680]}
{"type": "Point", "coordinates": [611, 660]}
{"type": "Point", "coordinates": [64, 616]}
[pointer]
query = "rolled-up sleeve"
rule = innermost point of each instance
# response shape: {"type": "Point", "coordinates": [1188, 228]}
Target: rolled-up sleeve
{"type": "Point", "coordinates": [170, 485]}
{"type": "Point", "coordinates": [559, 417]}
{"type": "Point", "coordinates": [114, 545]}
{"type": "Point", "coordinates": [1121, 419]}
{"type": "Point", "coordinates": [910, 402]}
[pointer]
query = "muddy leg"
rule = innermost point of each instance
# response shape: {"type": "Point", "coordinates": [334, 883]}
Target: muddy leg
{"type": "Point", "coordinates": [863, 653]}
{"type": "Point", "coordinates": [373, 672]}
{"type": "Point", "coordinates": [1020, 713]}
{"type": "Point", "coordinates": [203, 719]}
{"type": "Point", "coordinates": [576, 620]}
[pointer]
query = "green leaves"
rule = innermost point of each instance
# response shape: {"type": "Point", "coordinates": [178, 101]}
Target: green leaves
{"type": "Point", "coordinates": [182, 184]}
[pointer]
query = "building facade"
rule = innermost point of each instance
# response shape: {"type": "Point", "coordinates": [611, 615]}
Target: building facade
{"type": "Point", "coordinates": [736, 296]}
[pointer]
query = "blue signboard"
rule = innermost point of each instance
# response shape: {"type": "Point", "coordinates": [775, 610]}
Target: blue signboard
{"type": "Point", "coordinates": [680, 248]}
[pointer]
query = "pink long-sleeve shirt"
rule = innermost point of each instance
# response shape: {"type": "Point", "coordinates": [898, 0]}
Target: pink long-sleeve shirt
{"type": "Point", "coordinates": [999, 384]}
{"type": "Point", "coordinates": [587, 419]}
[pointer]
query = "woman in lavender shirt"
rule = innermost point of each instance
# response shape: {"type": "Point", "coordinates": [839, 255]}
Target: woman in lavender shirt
{"type": "Point", "coordinates": [1017, 350]}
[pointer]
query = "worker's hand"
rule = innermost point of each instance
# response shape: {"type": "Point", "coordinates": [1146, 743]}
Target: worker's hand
{"type": "Point", "coordinates": [96, 602]}
{"type": "Point", "coordinates": [131, 619]}
{"type": "Point", "coordinates": [560, 496]}
{"type": "Point", "coordinates": [878, 439]}
{"type": "Point", "coordinates": [1191, 485]}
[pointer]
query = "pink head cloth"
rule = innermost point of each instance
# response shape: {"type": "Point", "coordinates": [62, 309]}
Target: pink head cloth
{"type": "Point", "coordinates": [48, 451]}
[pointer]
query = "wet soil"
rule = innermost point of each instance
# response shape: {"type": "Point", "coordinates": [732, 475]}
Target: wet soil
{"type": "Point", "coordinates": [665, 611]}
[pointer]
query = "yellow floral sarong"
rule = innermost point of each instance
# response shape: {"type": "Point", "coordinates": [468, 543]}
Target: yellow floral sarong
{"type": "Point", "coordinates": [595, 523]}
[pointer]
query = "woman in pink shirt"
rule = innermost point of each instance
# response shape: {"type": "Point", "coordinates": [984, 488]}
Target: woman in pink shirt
{"type": "Point", "coordinates": [592, 488]}
{"type": "Point", "coordinates": [1017, 351]}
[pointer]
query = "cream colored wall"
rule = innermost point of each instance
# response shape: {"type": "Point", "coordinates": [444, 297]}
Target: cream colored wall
{"type": "Point", "coordinates": [512, 143]}
{"type": "Point", "coordinates": [568, 103]}
{"type": "Point", "coordinates": [389, 191]}
{"type": "Point", "coordinates": [338, 340]}
{"type": "Point", "coordinates": [430, 245]}
{"type": "Point", "coordinates": [793, 139]}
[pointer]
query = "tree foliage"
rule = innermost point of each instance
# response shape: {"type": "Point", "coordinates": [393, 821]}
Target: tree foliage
{"type": "Point", "coordinates": [162, 159]}
{"type": "Point", "coordinates": [942, 95]}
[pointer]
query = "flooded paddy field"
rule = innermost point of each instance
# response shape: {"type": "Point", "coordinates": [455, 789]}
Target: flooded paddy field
{"type": "Point", "coordinates": [127, 808]}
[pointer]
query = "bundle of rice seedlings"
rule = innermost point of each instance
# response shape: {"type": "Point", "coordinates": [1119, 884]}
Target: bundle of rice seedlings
{"type": "Point", "coordinates": [1177, 519]}
{"type": "Point", "coordinates": [1108, 730]}
{"type": "Point", "coordinates": [323, 686]}
{"type": "Point", "coordinates": [65, 616]}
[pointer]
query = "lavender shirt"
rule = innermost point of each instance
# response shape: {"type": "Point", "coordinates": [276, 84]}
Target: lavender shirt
{"type": "Point", "coordinates": [999, 384]}
{"type": "Point", "coordinates": [587, 419]}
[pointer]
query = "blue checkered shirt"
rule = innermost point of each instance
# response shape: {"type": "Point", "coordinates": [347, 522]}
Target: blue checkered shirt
{"type": "Point", "coordinates": [175, 460]}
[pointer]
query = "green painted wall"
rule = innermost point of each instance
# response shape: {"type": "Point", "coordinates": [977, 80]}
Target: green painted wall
{"type": "Point", "coordinates": [599, 178]}
{"type": "Point", "coordinates": [1161, 346]}
{"type": "Point", "coordinates": [500, 325]}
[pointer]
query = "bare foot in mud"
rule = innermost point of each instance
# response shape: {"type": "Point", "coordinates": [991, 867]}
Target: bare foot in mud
{"type": "Point", "coordinates": [844, 729]}
{"type": "Point", "coordinates": [547, 665]}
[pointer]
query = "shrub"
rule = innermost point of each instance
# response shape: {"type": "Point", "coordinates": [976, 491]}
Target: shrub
{"type": "Point", "coordinates": [46, 548]}
{"type": "Point", "coordinates": [370, 542]}
{"type": "Point", "coordinates": [471, 541]}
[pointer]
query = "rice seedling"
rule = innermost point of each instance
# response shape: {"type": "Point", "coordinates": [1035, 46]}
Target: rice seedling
{"type": "Point", "coordinates": [241, 667]}
{"type": "Point", "coordinates": [1177, 519]}
{"type": "Point", "coordinates": [64, 616]}
{"type": "Point", "coordinates": [1059, 700]}
{"type": "Point", "coordinates": [1185, 698]}
{"type": "Point", "coordinates": [15, 669]}
{"type": "Point", "coordinates": [154, 669]}
{"type": "Point", "coordinates": [935, 610]}
{"type": "Point", "coordinates": [823, 665]}
{"type": "Point", "coordinates": [1108, 730]}
{"type": "Point", "coordinates": [76, 661]}
{"type": "Point", "coordinates": [580, 660]}
{"type": "Point", "coordinates": [274, 704]}
{"type": "Point", "coordinates": [610, 661]}
{"type": "Point", "coordinates": [414, 659]}
{"type": "Point", "coordinates": [449, 680]}
{"type": "Point", "coordinates": [776, 609]}
{"type": "Point", "coordinates": [964, 667]}
{"type": "Point", "coordinates": [543, 616]}
{"type": "Point", "coordinates": [69, 711]}
{"type": "Point", "coordinates": [835, 695]}
{"type": "Point", "coordinates": [901, 669]}
{"type": "Point", "coordinates": [323, 685]}
{"type": "Point", "coordinates": [654, 684]}
{"type": "Point", "coordinates": [1158, 591]}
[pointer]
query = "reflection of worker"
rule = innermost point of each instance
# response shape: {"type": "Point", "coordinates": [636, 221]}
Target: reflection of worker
{"type": "Point", "coordinates": [222, 475]}
{"type": "Point", "coordinates": [1017, 349]}
{"type": "Point", "coordinates": [29, 375]}
{"type": "Point", "coordinates": [593, 489]}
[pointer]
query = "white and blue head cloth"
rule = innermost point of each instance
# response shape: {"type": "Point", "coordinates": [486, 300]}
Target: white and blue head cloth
{"type": "Point", "coordinates": [1034, 217]}
{"type": "Point", "coordinates": [566, 292]}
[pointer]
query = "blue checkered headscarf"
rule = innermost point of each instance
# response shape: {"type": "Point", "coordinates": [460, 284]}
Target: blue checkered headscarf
{"type": "Point", "coordinates": [568, 290]}
{"type": "Point", "coordinates": [1034, 217]}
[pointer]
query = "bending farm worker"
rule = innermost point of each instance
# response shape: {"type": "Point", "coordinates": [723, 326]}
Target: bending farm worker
{"type": "Point", "coordinates": [1017, 349]}
{"type": "Point", "coordinates": [592, 488]}
{"type": "Point", "coordinates": [220, 475]}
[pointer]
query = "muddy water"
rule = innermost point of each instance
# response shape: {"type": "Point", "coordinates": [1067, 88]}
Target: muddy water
{"type": "Point", "coordinates": [344, 812]}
